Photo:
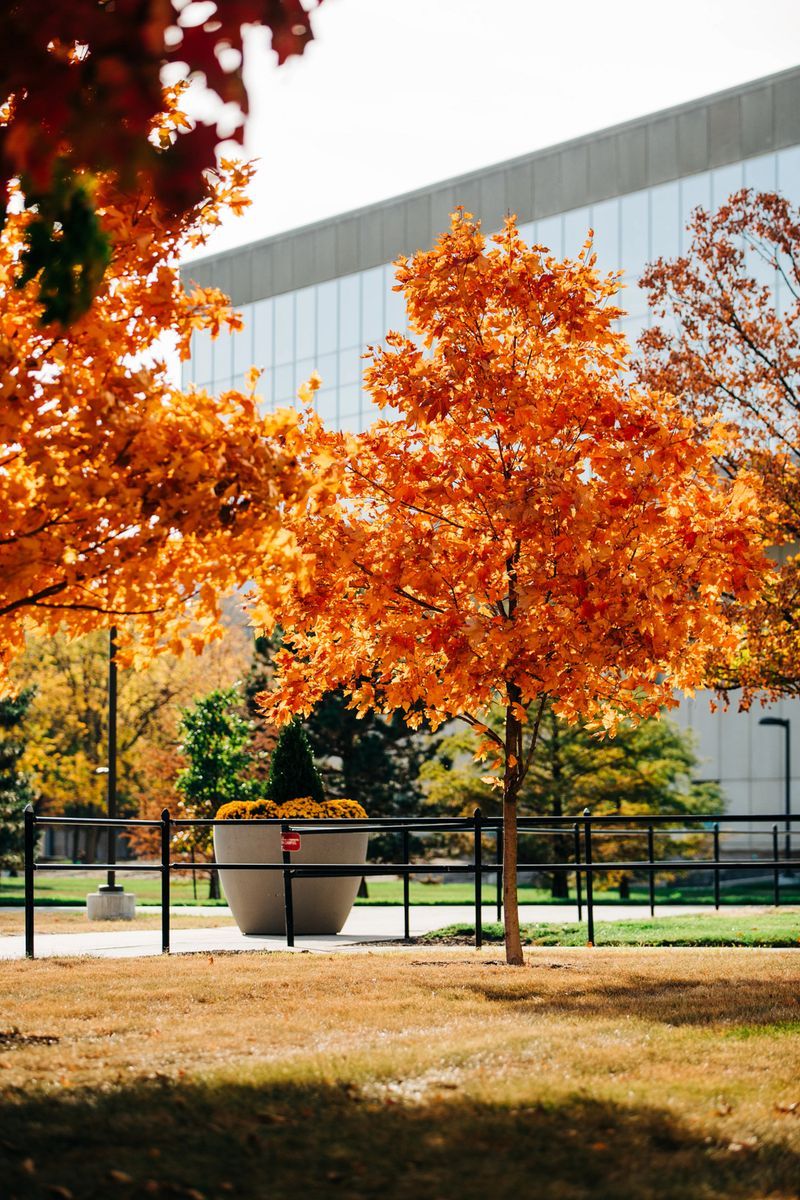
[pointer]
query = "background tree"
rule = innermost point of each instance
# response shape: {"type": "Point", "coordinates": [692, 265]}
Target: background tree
{"type": "Point", "coordinates": [374, 758]}
{"type": "Point", "coordinates": [15, 788]}
{"type": "Point", "coordinates": [292, 774]}
{"type": "Point", "coordinates": [531, 528]}
{"type": "Point", "coordinates": [68, 723]}
{"type": "Point", "coordinates": [216, 737]}
{"type": "Point", "coordinates": [258, 678]}
{"type": "Point", "coordinates": [82, 86]}
{"type": "Point", "coordinates": [645, 768]}
{"type": "Point", "coordinates": [119, 493]}
{"type": "Point", "coordinates": [371, 758]}
{"type": "Point", "coordinates": [727, 343]}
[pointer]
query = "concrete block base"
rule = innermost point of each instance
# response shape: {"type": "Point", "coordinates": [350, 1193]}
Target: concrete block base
{"type": "Point", "coordinates": [111, 906]}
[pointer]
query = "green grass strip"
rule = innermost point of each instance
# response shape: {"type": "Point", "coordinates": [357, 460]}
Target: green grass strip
{"type": "Point", "coordinates": [763, 929]}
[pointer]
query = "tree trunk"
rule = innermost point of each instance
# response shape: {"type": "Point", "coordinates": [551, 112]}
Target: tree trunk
{"type": "Point", "coordinates": [559, 887]}
{"type": "Point", "coordinates": [92, 838]}
{"type": "Point", "coordinates": [512, 778]}
{"type": "Point", "coordinates": [516, 765]}
{"type": "Point", "coordinates": [213, 883]}
{"type": "Point", "coordinates": [559, 882]}
{"type": "Point", "coordinates": [510, 906]}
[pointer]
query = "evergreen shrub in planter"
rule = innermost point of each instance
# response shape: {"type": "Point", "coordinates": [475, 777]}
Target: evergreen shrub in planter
{"type": "Point", "coordinates": [256, 897]}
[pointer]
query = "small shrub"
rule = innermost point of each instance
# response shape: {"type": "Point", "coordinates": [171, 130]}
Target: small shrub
{"type": "Point", "coordinates": [292, 774]}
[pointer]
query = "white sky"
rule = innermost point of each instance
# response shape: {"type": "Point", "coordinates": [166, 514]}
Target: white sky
{"type": "Point", "coordinates": [396, 94]}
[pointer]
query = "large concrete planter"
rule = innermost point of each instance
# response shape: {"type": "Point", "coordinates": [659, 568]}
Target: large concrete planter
{"type": "Point", "coordinates": [256, 897]}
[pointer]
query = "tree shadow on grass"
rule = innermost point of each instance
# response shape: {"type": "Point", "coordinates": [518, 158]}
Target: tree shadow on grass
{"type": "Point", "coordinates": [685, 1001]}
{"type": "Point", "coordinates": [275, 1141]}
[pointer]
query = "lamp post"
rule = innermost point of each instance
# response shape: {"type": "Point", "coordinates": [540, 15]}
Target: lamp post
{"type": "Point", "coordinates": [784, 724]}
{"type": "Point", "coordinates": [111, 770]}
{"type": "Point", "coordinates": [111, 902]}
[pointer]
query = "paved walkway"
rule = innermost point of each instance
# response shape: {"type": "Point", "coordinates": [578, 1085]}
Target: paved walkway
{"type": "Point", "coordinates": [365, 925]}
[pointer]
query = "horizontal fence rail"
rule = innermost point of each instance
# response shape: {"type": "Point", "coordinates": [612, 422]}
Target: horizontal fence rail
{"type": "Point", "coordinates": [579, 836]}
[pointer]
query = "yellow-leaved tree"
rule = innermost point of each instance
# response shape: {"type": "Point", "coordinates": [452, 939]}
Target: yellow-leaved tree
{"type": "Point", "coordinates": [531, 528]}
{"type": "Point", "coordinates": [66, 725]}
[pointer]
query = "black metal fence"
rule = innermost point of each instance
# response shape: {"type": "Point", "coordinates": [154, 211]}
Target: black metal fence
{"type": "Point", "coordinates": [583, 832]}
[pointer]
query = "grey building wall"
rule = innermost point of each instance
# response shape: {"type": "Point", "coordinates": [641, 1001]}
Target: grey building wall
{"type": "Point", "coordinates": [724, 128]}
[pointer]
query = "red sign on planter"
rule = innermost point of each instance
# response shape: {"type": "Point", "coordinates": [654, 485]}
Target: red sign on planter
{"type": "Point", "coordinates": [290, 841]}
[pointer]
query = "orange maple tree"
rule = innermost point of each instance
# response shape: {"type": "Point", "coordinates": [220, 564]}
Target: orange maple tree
{"type": "Point", "coordinates": [727, 343]}
{"type": "Point", "coordinates": [122, 496]}
{"type": "Point", "coordinates": [531, 527]}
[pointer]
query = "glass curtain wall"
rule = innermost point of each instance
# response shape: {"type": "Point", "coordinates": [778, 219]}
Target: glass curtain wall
{"type": "Point", "coordinates": [328, 326]}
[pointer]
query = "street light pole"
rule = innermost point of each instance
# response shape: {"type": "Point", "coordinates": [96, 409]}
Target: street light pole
{"type": "Point", "coordinates": [111, 791]}
{"type": "Point", "coordinates": [784, 723]}
{"type": "Point", "coordinates": [111, 902]}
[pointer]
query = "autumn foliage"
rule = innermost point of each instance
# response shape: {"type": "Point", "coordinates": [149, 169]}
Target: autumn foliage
{"type": "Point", "coordinates": [120, 494]}
{"type": "Point", "coordinates": [82, 85]}
{"type": "Point", "coordinates": [531, 528]}
{"type": "Point", "coordinates": [727, 342]}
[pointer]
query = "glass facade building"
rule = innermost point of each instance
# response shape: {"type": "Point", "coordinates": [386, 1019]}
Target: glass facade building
{"type": "Point", "coordinates": [327, 326]}
{"type": "Point", "coordinates": [315, 298]}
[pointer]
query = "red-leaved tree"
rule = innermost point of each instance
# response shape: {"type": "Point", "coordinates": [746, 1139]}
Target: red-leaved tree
{"type": "Point", "coordinates": [727, 343]}
{"type": "Point", "coordinates": [81, 82]}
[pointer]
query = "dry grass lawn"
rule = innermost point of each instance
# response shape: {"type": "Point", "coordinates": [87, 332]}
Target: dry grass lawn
{"type": "Point", "coordinates": [12, 921]}
{"type": "Point", "coordinates": [424, 1073]}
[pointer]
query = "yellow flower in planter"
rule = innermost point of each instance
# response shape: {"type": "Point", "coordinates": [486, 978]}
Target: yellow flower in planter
{"type": "Point", "coordinates": [343, 808]}
{"type": "Point", "coordinates": [304, 808]}
{"type": "Point", "coordinates": [237, 810]}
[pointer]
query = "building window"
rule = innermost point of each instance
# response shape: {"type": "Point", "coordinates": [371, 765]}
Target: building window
{"type": "Point", "coordinates": [284, 328]}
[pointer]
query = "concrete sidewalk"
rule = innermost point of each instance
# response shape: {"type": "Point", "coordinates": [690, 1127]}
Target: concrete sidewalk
{"type": "Point", "coordinates": [365, 925]}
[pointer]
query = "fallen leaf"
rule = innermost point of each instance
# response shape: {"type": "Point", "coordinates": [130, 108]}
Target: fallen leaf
{"type": "Point", "coordinates": [119, 1177]}
{"type": "Point", "coordinates": [748, 1143]}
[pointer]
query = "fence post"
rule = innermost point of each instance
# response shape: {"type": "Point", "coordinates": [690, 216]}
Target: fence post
{"type": "Point", "coordinates": [498, 859]}
{"type": "Point", "coordinates": [165, 881]}
{"type": "Point", "coordinates": [30, 850]}
{"type": "Point", "coordinates": [578, 880]}
{"type": "Point", "coordinates": [716, 868]}
{"type": "Point", "coordinates": [776, 871]}
{"type": "Point", "coordinates": [587, 835]}
{"type": "Point", "coordinates": [406, 888]}
{"type": "Point", "coordinates": [478, 880]}
{"type": "Point", "coordinates": [288, 908]}
{"type": "Point", "coordinates": [651, 858]}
